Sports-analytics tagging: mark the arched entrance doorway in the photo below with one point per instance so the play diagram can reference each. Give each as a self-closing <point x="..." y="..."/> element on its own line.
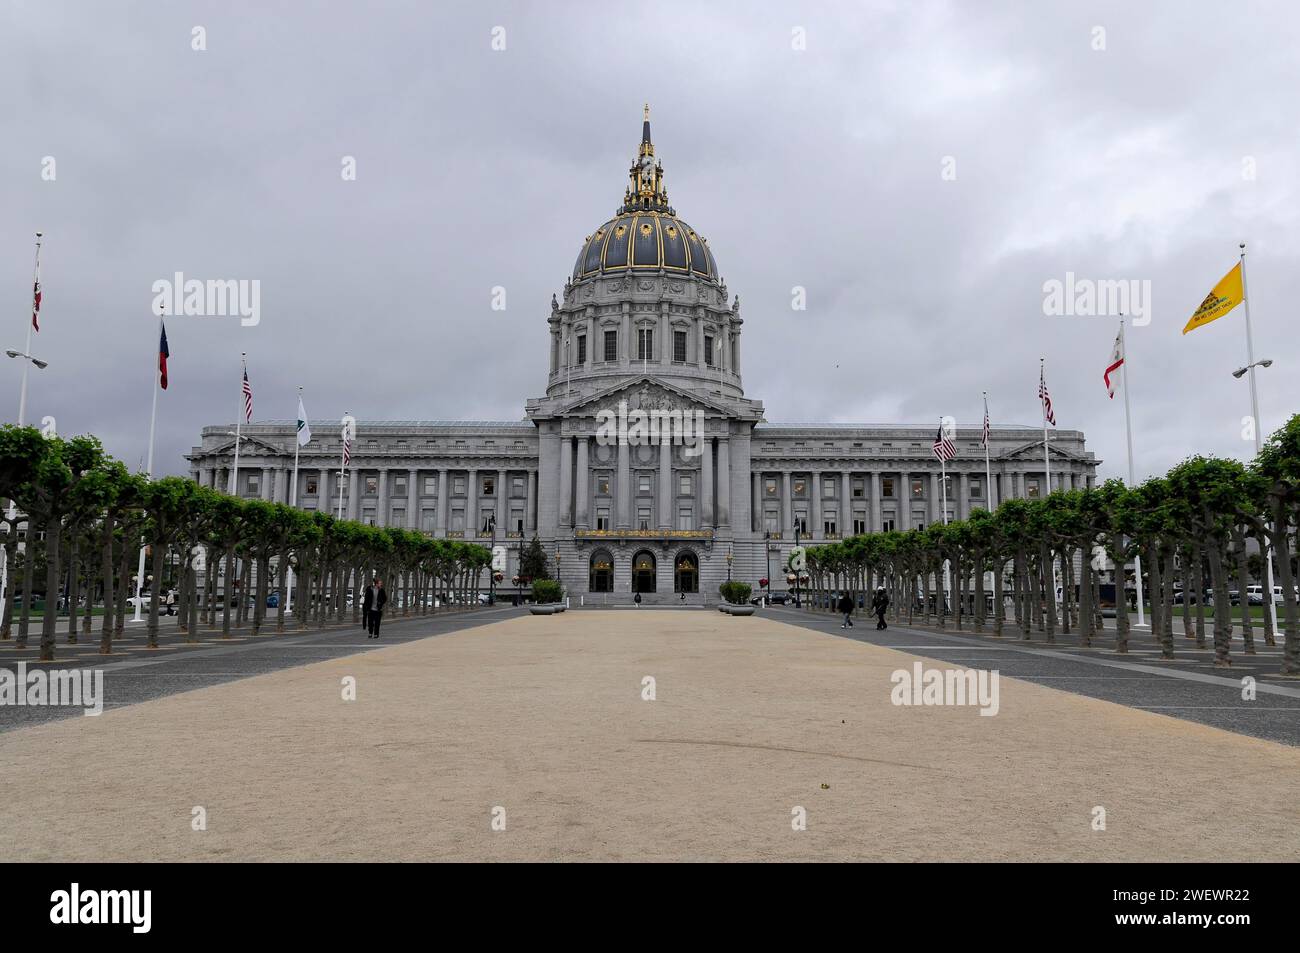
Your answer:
<point x="601" y="578"/>
<point x="686" y="572"/>
<point x="643" y="572"/>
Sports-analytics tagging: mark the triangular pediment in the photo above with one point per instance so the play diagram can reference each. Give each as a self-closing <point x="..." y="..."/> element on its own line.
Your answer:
<point x="645" y="394"/>
<point x="249" y="444"/>
<point x="1033" y="450"/>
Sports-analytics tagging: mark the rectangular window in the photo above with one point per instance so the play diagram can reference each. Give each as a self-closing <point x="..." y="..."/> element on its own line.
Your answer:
<point x="517" y="520"/>
<point x="771" y="521"/>
<point x="684" y="518"/>
<point x="313" y="486"/>
<point x="582" y="349"/>
<point x="828" y="527"/>
<point x="489" y="485"/>
<point x="976" y="488"/>
<point x="643" y="483"/>
<point x="800" y="487"/>
<point x="372" y="486"/>
<point x="517" y="486"/>
<point x="254" y="484"/>
<point x="801" y="522"/>
<point x="769" y="487"/>
<point x="859" y="527"/>
<point x="611" y="345"/>
<point x="428" y="520"/>
<point x="602" y="519"/>
<point x="887" y="486"/>
<point x="458" y="486"/>
<point x="828" y="488"/>
<point x="399" y="486"/>
<point x="1031" y="488"/>
<point x="708" y="349"/>
<point x="457" y="521"/>
<point x="645" y="344"/>
<point x="684" y="486"/>
<point x="918" y="489"/>
<point x="398" y="518"/>
<point x="887" y="525"/>
<point x="643" y="517"/>
<point x="602" y="484"/>
<point x="368" y="517"/>
<point x="679" y="345"/>
<point x="430" y="486"/>
<point x="859" y="488"/>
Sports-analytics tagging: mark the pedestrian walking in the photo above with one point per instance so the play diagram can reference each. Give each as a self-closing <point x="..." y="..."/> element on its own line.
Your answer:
<point x="879" y="604"/>
<point x="845" y="605"/>
<point x="373" y="607"/>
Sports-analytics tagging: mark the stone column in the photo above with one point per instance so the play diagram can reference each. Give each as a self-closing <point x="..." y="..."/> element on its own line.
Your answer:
<point x="354" y="494"/>
<point x="875" y="502"/>
<point x="904" y="501"/>
<point x="264" y="491"/>
<point x="625" y="346"/>
<point x="724" y="483"/>
<point x="471" y="504"/>
<point x="665" y="483"/>
<point x="1020" y="485"/>
<point x="787" y="506"/>
<point x="846" y="504"/>
<point x="502" y="513"/>
<point x="566" y="481"/>
<point x="323" y="491"/>
<point x="623" y="488"/>
<point x="706" y="485"/>
<point x="756" y="504"/>
<point x="381" y="505"/>
<point x="530" y="507"/>
<point x="412" y="498"/>
<point x="963" y="495"/>
<point x="440" y="515"/>
<point x="582" y="481"/>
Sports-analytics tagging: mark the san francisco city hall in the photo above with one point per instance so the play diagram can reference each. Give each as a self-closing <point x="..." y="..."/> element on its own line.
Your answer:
<point x="644" y="319"/>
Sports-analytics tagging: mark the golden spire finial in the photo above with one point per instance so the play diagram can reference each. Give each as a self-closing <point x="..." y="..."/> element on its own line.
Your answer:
<point x="647" y="112"/>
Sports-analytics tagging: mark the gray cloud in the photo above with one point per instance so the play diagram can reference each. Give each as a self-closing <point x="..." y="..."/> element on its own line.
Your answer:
<point x="819" y="169"/>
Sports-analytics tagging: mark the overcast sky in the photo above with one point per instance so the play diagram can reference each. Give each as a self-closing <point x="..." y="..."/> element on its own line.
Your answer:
<point x="1111" y="140"/>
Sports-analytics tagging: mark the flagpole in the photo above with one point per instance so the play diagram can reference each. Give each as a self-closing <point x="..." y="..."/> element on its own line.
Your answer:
<point x="12" y="513"/>
<point x="233" y="489"/>
<point x="1042" y="400"/>
<point x="343" y="465"/>
<point x="153" y="421"/>
<point x="293" y="502"/>
<point x="1254" y="410"/>
<point x="988" y="468"/>
<point x="1128" y="429"/>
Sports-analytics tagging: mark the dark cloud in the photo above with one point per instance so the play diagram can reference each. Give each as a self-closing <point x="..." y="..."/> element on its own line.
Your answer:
<point x="819" y="169"/>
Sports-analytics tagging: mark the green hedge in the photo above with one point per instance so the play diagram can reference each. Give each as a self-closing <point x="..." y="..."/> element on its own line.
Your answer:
<point x="736" y="593"/>
<point x="547" y="590"/>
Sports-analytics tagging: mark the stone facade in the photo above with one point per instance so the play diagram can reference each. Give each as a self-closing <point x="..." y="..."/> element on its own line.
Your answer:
<point x="644" y="327"/>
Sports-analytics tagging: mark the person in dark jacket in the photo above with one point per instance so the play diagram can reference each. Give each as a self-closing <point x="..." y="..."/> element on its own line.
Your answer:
<point x="845" y="605"/>
<point x="373" y="607"/>
<point x="879" y="604"/>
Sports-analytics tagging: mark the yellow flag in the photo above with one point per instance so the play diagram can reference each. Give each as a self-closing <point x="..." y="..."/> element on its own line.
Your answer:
<point x="1227" y="294"/>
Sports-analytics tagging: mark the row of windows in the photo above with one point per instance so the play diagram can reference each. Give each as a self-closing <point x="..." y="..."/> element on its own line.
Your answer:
<point x="645" y="346"/>
<point x="858" y="487"/>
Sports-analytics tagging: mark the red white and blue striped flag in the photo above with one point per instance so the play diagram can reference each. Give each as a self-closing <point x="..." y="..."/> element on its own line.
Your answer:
<point x="944" y="449"/>
<point x="1048" y="414"/>
<point x="985" y="438"/>
<point x="248" y="399"/>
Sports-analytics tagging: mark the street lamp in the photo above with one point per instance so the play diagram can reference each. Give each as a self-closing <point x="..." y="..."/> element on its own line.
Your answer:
<point x="492" y="574"/>
<point x="796" y="569"/>
<point x="1240" y="372"/>
<point x="729" y="558"/>
<point x="1254" y="409"/>
<point x="767" y="556"/>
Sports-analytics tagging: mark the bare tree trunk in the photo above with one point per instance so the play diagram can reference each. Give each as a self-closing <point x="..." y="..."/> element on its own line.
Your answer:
<point x="74" y="587"/>
<point x="49" y="621"/>
<point x="106" y="572"/>
<point x="1198" y="579"/>
<point x="159" y="554"/>
<point x="226" y="594"/>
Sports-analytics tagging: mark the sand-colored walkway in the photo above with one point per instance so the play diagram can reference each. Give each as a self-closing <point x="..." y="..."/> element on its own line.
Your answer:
<point x="544" y="717"/>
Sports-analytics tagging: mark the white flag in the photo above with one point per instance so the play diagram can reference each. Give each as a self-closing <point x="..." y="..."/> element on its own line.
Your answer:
<point x="304" y="428"/>
<point x="1111" y="377"/>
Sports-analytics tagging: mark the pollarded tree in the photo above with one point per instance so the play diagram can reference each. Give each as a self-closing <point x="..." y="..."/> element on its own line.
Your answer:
<point x="1278" y="464"/>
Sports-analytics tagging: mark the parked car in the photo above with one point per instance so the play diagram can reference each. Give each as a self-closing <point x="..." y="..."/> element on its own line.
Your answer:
<point x="1255" y="594"/>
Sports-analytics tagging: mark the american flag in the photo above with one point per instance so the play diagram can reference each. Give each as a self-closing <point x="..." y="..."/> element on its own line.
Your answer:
<point x="985" y="438"/>
<point x="944" y="449"/>
<point x="347" y="445"/>
<point x="1048" y="414"/>
<point x="36" y="288"/>
<point x="248" y="399"/>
